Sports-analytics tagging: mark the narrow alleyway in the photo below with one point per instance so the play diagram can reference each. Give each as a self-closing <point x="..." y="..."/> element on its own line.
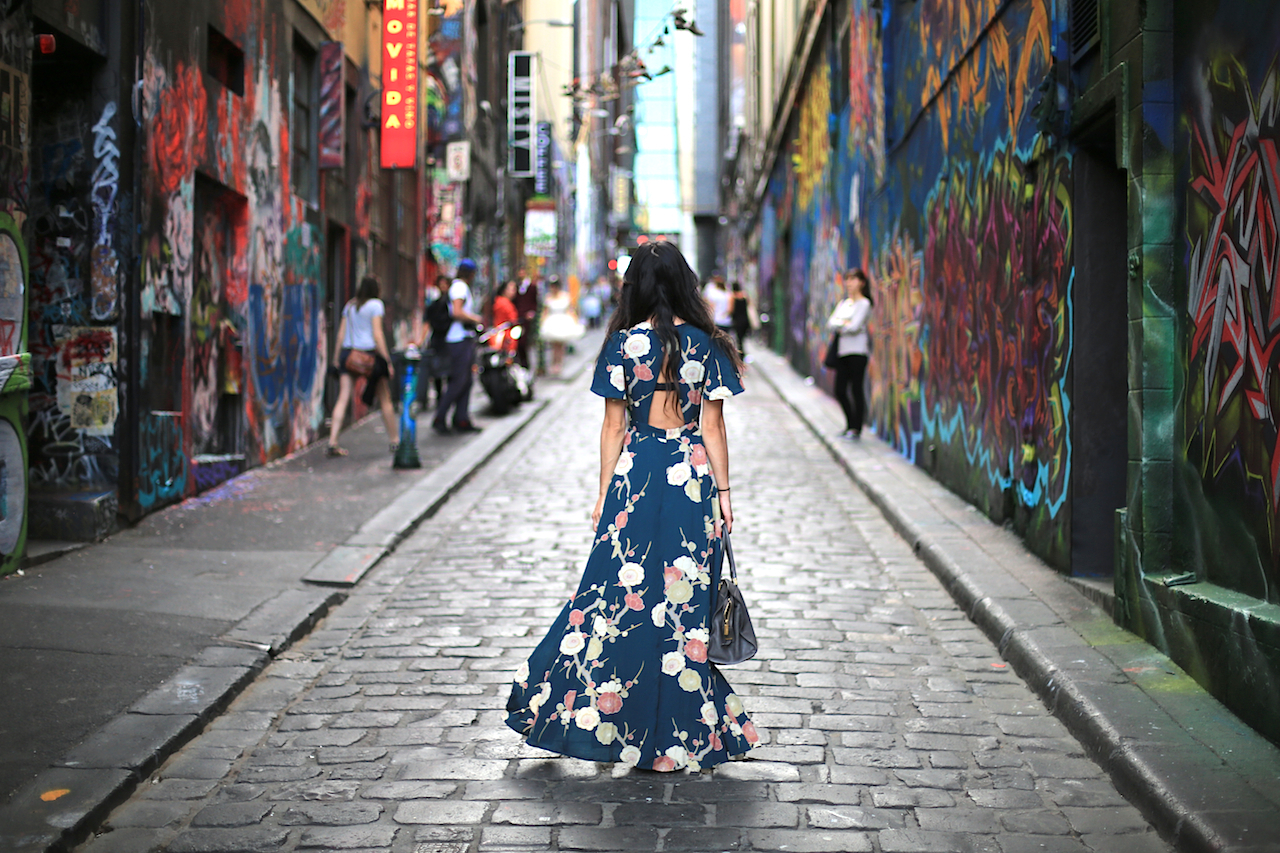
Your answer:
<point x="889" y="722"/>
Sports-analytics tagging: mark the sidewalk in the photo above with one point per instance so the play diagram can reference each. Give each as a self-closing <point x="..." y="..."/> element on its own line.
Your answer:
<point x="1204" y="779"/>
<point x="117" y="653"/>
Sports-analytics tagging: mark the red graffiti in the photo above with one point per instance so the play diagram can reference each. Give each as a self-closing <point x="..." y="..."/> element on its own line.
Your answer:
<point x="91" y="345"/>
<point x="176" y="143"/>
<point x="8" y="337"/>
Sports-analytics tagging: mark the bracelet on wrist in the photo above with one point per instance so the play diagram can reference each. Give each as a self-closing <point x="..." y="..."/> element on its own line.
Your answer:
<point x="722" y="488"/>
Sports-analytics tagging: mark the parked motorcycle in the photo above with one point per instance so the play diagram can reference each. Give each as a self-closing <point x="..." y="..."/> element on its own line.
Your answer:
<point x="504" y="380"/>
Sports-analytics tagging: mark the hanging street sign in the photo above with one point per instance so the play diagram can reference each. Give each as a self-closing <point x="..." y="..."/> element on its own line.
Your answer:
<point x="521" y="67"/>
<point x="399" y="142"/>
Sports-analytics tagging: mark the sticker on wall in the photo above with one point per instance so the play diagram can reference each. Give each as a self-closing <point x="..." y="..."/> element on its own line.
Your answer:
<point x="87" y="378"/>
<point x="13" y="487"/>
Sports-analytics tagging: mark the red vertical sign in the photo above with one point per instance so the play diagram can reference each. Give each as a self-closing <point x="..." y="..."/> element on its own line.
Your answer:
<point x="399" y="84"/>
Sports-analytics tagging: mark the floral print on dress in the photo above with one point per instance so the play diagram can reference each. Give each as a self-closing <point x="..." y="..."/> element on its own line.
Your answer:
<point x="622" y="675"/>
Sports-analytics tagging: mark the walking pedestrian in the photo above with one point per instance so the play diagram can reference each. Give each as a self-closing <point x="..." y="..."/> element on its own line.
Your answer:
<point x="721" y="303"/>
<point x="590" y="307"/>
<point x="362" y="351"/>
<point x="460" y="344"/>
<point x="850" y="319"/>
<point x="558" y="327"/>
<point x="622" y="675"/>
<point x="741" y="314"/>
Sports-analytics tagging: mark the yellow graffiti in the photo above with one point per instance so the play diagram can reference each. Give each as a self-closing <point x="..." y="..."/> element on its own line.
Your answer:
<point x="949" y="29"/>
<point x="814" y="139"/>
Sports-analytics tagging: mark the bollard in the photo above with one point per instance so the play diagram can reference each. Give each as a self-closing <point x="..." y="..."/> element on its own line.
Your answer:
<point x="407" y="452"/>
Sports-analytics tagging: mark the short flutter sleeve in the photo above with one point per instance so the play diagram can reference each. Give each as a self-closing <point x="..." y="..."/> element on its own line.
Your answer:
<point x="722" y="380"/>
<point x="610" y="380"/>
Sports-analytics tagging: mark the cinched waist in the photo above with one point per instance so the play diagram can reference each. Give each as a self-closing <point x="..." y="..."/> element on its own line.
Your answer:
<point x="674" y="432"/>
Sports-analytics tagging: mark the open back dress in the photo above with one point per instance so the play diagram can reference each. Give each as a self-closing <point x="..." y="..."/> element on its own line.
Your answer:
<point x="622" y="675"/>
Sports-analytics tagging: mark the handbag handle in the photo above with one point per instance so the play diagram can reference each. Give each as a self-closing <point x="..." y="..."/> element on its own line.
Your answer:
<point x="728" y="553"/>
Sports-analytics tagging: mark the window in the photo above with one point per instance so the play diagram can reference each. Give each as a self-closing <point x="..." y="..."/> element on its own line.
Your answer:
<point x="225" y="62"/>
<point x="303" y="130"/>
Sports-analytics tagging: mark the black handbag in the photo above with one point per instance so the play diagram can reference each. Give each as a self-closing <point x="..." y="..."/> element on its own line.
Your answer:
<point x="732" y="639"/>
<point x="832" y="358"/>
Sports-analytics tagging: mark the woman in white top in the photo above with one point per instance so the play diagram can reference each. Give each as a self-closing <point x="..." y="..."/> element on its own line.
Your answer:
<point x="850" y="319"/>
<point x="721" y="302"/>
<point x="361" y="331"/>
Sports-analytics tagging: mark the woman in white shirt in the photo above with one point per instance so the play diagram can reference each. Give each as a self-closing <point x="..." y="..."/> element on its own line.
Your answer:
<point x="850" y="319"/>
<point x="360" y="331"/>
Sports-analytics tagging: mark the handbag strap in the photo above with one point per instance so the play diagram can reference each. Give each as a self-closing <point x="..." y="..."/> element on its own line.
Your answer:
<point x="728" y="553"/>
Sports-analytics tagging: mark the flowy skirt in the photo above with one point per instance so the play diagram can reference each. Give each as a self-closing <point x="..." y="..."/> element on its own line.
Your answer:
<point x="623" y="675"/>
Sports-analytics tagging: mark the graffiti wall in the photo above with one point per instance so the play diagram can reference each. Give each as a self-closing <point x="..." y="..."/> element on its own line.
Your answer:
<point x="1229" y="158"/>
<point x="74" y="227"/>
<point x="936" y="181"/>
<point x="232" y="292"/>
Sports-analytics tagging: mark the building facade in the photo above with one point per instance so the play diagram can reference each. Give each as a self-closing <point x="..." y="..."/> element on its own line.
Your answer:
<point x="195" y="191"/>
<point x="1071" y="238"/>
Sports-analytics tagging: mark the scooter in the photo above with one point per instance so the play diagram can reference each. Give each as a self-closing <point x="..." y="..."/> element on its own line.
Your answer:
<point x="504" y="380"/>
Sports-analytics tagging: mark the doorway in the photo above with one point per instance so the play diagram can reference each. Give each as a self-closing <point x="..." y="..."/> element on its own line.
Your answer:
<point x="1099" y="414"/>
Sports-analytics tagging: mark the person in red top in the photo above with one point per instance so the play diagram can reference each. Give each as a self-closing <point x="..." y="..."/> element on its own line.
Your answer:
<point x="504" y="307"/>
<point x="504" y="311"/>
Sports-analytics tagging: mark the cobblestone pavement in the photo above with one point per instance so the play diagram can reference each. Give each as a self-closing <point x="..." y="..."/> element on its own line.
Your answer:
<point x="888" y="722"/>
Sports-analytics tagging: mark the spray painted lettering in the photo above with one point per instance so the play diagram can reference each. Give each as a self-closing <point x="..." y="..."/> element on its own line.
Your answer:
<point x="104" y="266"/>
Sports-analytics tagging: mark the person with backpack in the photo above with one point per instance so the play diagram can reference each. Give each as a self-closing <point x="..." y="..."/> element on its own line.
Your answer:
<point x="460" y="344"/>
<point x="435" y="321"/>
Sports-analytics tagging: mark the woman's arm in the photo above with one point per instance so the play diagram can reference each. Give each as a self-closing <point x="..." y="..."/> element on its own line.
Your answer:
<point x="717" y="442"/>
<point x="839" y="315"/>
<point x="338" y="338"/>
<point x="380" y="344"/>
<point x="858" y="316"/>
<point x="612" y="432"/>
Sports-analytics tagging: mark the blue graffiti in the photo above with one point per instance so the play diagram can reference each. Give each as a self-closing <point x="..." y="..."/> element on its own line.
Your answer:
<point x="162" y="466"/>
<point x="284" y="353"/>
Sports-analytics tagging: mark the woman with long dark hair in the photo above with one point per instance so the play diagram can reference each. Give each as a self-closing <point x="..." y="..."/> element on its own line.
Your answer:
<point x="622" y="675"/>
<point x="850" y="319"/>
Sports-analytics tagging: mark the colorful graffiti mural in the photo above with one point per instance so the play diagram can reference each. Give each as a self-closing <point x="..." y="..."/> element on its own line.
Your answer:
<point x="964" y="220"/>
<point x="997" y="329"/>
<point x="1233" y="304"/>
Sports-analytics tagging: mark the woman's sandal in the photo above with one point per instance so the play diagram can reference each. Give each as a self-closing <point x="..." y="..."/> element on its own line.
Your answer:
<point x="334" y="450"/>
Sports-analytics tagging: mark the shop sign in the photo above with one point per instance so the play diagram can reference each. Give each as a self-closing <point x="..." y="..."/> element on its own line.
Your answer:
<point x="399" y="143"/>
<point x="521" y="65"/>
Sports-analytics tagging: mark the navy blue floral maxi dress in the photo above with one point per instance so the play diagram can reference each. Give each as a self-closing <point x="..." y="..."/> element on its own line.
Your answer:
<point x="622" y="675"/>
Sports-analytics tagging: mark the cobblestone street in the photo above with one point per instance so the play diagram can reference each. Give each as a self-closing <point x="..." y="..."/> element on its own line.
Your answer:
<point x="888" y="721"/>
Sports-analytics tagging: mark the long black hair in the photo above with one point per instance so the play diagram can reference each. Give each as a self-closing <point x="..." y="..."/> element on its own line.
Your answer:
<point x="658" y="287"/>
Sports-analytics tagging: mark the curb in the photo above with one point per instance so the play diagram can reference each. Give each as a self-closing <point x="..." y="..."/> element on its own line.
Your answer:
<point x="1203" y="779"/>
<point x="67" y="801"/>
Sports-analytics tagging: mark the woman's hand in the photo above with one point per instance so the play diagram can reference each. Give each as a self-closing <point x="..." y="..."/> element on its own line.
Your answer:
<point x="726" y="512"/>
<point x="597" y="512"/>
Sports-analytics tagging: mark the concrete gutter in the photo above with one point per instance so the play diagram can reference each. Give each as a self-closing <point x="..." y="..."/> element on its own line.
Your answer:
<point x="66" y="802"/>
<point x="1204" y="779"/>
